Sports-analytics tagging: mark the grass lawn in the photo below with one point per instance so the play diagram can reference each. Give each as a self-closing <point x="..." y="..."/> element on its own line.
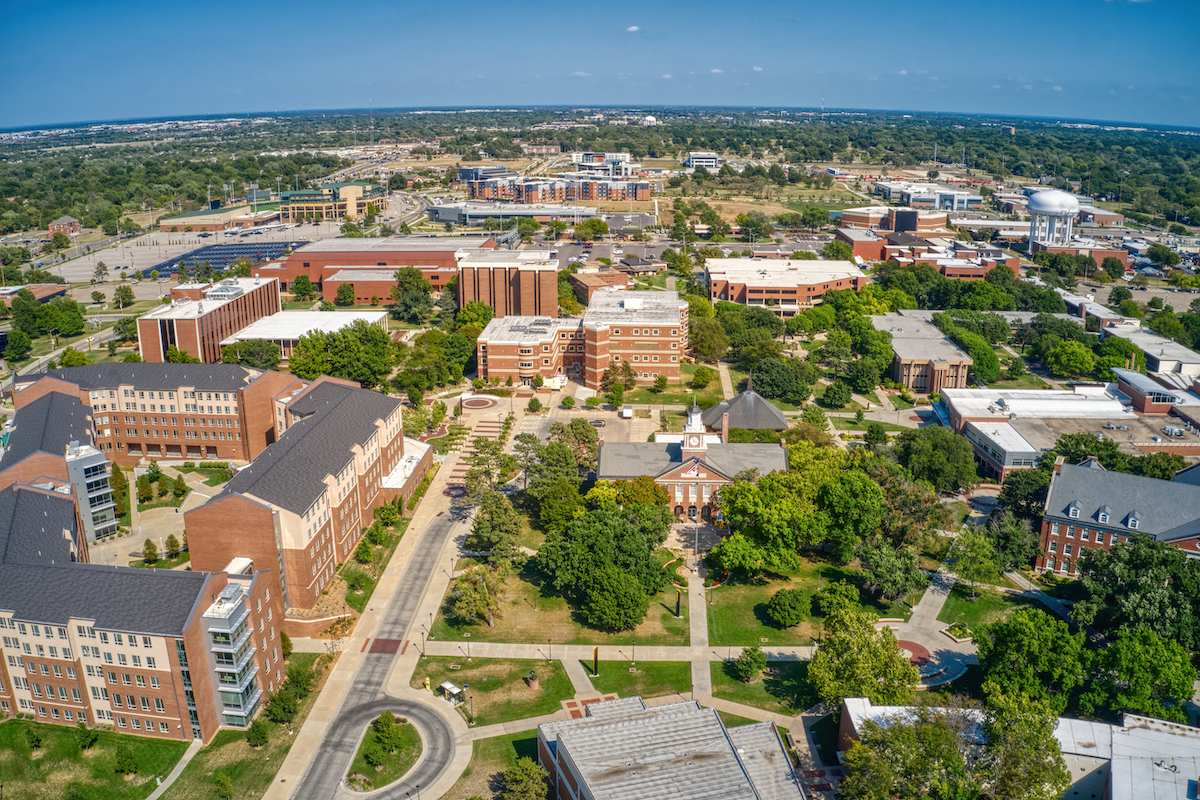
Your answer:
<point x="826" y="731"/>
<point x="298" y="305"/>
<point x="251" y="771"/>
<point x="163" y="562"/>
<point x="489" y="759"/>
<point x="358" y="599"/>
<point x="677" y="394"/>
<point x="737" y="613"/>
<point x="783" y="690"/>
<point x="988" y="606"/>
<point x="959" y="511"/>
<point x="394" y="765"/>
<point x="652" y="678"/>
<point x="900" y="403"/>
<point x="500" y="687"/>
<point x="167" y="501"/>
<point x="1026" y="381"/>
<point x="850" y="424"/>
<point x="51" y="770"/>
<point x="534" y="612"/>
<point x="213" y="476"/>
<point x="874" y="398"/>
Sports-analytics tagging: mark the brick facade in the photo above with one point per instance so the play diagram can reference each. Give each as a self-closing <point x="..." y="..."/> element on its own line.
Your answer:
<point x="196" y="321"/>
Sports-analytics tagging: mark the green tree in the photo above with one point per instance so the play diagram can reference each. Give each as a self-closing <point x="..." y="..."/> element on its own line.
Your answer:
<point x="837" y="394"/>
<point x="126" y="761"/>
<point x="568" y="402"/>
<point x="854" y="507"/>
<point x="123" y="296"/>
<point x="526" y="780"/>
<point x="836" y="596"/>
<point x="474" y="314"/>
<point x="59" y="241"/>
<point x="855" y="660"/>
<point x="257" y="353"/>
<point x="615" y="601"/>
<point x="488" y="465"/>
<point x="660" y="384"/>
<point x="85" y="737"/>
<point x="707" y="339"/>
<point x="750" y="663"/>
<point x="303" y="288"/>
<point x="496" y="529"/>
<point x="345" y="295"/>
<point x="281" y="706"/>
<point x="918" y="756"/>
<point x="149" y="552"/>
<point x="475" y="595"/>
<point x="535" y="405"/>
<point x="938" y="455"/>
<point x="1143" y="673"/>
<point x="179" y="487"/>
<point x="125" y="329"/>
<point x="1034" y="655"/>
<point x="1013" y="540"/>
<point x="876" y="434"/>
<point x="837" y="250"/>
<point x="1024" y="758"/>
<point x="176" y="356"/>
<point x="172" y="546"/>
<point x="892" y="573"/>
<point x="73" y="358"/>
<point x="1070" y="358"/>
<point x="359" y="352"/>
<point x="257" y="734"/>
<point x="19" y="345"/>
<point x="285" y="644"/>
<point x="788" y="607"/>
<point x="1024" y="492"/>
<point x="223" y="785"/>
<point x="974" y="558"/>
<point x="702" y="377"/>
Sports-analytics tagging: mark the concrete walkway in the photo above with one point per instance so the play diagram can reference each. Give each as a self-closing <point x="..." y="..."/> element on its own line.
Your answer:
<point x="698" y="632"/>
<point x="188" y="755"/>
<point x="948" y="659"/>
<point x="726" y="380"/>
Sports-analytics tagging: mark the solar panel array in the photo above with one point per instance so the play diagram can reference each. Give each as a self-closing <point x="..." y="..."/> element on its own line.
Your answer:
<point x="222" y="255"/>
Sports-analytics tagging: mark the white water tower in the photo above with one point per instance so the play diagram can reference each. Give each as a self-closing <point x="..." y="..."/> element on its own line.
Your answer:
<point x="1052" y="216"/>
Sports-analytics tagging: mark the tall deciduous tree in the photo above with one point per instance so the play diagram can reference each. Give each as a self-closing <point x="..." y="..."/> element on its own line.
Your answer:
<point x="939" y="456"/>
<point x="855" y="660"/>
<point x="1143" y="673"/>
<point x="1034" y="655"/>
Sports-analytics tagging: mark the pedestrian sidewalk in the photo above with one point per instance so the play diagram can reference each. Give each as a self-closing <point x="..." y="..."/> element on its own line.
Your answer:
<point x="726" y="380"/>
<point x="188" y="755"/>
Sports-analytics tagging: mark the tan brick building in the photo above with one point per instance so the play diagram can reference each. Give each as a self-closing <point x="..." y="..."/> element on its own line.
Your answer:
<point x="302" y="505"/>
<point x="195" y="411"/>
<point x="513" y="282"/>
<point x="924" y="359"/>
<point x="351" y="199"/>
<point x="784" y="286"/>
<point x="647" y="330"/>
<point x="202" y="314"/>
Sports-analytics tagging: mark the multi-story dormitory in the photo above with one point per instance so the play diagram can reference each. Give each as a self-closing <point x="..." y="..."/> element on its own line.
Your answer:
<point x="159" y="653"/>
<point x="322" y="456"/>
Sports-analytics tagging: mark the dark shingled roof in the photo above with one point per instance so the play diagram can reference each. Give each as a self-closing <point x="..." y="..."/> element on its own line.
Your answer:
<point x="39" y="582"/>
<point x="291" y="472"/>
<point x="210" y="377"/>
<point x="629" y="460"/>
<point x="48" y="425"/>
<point x="1165" y="510"/>
<point x="748" y="410"/>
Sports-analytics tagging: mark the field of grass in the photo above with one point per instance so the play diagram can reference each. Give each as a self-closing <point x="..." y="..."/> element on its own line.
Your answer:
<point x="733" y="720"/>
<point x="737" y="613"/>
<point x="213" y="476"/>
<point x="677" y="394"/>
<point x="533" y="612"/>
<point x="358" y="600"/>
<point x="251" y="771"/>
<point x="1026" y="381"/>
<point x="163" y="562"/>
<point x="988" y="606"/>
<point x="169" y="500"/>
<point x="489" y="759"/>
<point x="783" y="689"/>
<point x="55" y="768"/>
<point x="500" y="687"/>
<point x="651" y="679"/>
<point x="900" y="403"/>
<point x="395" y="765"/>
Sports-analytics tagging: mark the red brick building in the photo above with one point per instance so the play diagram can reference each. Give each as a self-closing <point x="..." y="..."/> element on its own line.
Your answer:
<point x="66" y="225"/>
<point x="1090" y="508"/>
<point x="192" y="411"/>
<point x="201" y="315"/>
<point x="513" y="282"/>
<point x="784" y="286"/>
<point x="304" y="502"/>
<point x="436" y="256"/>
<point x="647" y="330"/>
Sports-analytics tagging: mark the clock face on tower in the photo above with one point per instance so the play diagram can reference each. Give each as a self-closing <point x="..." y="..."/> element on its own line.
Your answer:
<point x="694" y="441"/>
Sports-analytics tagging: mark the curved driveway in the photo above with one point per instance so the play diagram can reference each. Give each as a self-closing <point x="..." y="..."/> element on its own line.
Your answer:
<point x="323" y="780"/>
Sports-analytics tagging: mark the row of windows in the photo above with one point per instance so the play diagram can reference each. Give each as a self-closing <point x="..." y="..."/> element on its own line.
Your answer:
<point x="644" y="358"/>
<point x="1085" y="534"/>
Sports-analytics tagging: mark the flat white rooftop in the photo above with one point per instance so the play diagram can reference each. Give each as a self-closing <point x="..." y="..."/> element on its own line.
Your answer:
<point x="631" y="308"/>
<point x="396" y="244"/>
<point x="1096" y="402"/>
<point x="1151" y="343"/>
<point x="780" y="272"/>
<point x="289" y="326"/>
<point x="216" y="295"/>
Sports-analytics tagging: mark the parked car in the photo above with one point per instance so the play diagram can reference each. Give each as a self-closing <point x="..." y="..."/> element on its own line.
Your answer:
<point x="598" y="423"/>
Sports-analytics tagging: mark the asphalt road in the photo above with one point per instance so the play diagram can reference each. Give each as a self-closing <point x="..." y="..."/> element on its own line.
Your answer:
<point x="324" y="778"/>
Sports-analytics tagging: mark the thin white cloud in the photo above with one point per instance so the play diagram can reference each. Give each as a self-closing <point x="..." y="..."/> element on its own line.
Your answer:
<point x="902" y="72"/>
<point x="717" y="71"/>
<point x="758" y="69"/>
<point x="668" y="76"/>
<point x="1058" y="88"/>
<point x="1027" y="86"/>
<point x="995" y="86"/>
<point x="632" y="29"/>
<point x="935" y="78"/>
<point x="579" y="74"/>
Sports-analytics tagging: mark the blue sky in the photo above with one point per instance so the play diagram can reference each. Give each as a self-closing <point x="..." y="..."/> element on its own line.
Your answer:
<point x="69" y="60"/>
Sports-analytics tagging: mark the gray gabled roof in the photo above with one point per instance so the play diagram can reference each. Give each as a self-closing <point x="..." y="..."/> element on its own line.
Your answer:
<point x="48" y="425"/>
<point x="629" y="460"/>
<point x="748" y="410"/>
<point x="1165" y="510"/>
<point x="291" y="472"/>
<point x="40" y="582"/>
<point x="210" y="377"/>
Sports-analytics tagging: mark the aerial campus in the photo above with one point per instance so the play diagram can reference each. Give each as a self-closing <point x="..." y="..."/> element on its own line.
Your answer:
<point x="530" y="450"/>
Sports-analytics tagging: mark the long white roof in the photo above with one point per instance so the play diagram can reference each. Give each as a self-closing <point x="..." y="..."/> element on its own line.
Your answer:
<point x="291" y="325"/>
<point x="1093" y="402"/>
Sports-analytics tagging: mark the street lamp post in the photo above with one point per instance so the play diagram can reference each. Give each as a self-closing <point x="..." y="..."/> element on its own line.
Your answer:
<point x="550" y="650"/>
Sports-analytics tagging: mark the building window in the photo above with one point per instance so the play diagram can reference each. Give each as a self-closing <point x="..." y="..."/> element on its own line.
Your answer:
<point x="1054" y="547"/>
<point x="1103" y="519"/>
<point x="1067" y="550"/>
<point x="1085" y="535"/>
<point x="1073" y="512"/>
<point x="1070" y="531"/>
